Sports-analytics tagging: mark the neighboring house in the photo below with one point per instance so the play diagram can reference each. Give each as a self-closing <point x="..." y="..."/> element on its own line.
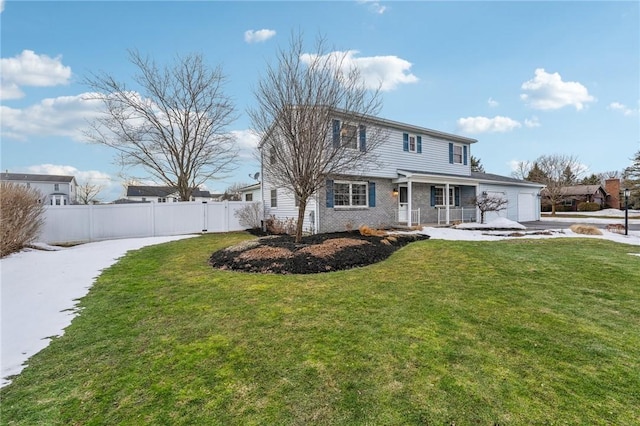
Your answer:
<point x="56" y="190"/>
<point x="425" y="178"/>
<point x="572" y="196"/>
<point x="162" y="194"/>
<point x="251" y="192"/>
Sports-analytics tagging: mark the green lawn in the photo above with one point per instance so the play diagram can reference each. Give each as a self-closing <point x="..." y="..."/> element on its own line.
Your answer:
<point x="512" y="332"/>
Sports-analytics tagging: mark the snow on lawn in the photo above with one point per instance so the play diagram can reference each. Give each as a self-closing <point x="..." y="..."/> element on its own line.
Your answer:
<point x="40" y="289"/>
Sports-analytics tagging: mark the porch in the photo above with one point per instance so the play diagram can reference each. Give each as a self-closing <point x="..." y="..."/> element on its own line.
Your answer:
<point x="434" y="199"/>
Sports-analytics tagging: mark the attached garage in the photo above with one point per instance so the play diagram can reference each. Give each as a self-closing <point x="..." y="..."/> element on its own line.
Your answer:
<point x="523" y="201"/>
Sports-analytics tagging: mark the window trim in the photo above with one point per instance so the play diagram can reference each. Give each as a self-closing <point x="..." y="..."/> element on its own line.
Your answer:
<point x="356" y="134"/>
<point x="452" y="196"/>
<point x="273" y="196"/>
<point x="351" y="205"/>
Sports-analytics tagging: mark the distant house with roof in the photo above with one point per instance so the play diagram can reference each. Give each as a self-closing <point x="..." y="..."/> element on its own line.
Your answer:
<point x="251" y="192"/>
<point x="56" y="190"/>
<point x="162" y="194"/>
<point x="573" y="196"/>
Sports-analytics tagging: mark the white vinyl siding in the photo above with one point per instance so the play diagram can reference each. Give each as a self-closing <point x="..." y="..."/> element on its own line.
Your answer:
<point x="434" y="157"/>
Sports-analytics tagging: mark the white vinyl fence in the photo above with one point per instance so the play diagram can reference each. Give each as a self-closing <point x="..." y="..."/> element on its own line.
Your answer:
<point x="65" y="224"/>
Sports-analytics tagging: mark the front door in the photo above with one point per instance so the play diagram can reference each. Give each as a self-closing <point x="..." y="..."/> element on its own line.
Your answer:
<point x="403" y="204"/>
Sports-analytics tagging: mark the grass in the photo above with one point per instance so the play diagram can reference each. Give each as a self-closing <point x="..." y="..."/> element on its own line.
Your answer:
<point x="512" y="332"/>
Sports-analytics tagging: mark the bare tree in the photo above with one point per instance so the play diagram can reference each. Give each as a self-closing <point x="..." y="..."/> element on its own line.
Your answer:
<point x="175" y="127"/>
<point x="88" y="192"/>
<point x="558" y="172"/>
<point x="489" y="203"/>
<point x="298" y="100"/>
<point x="522" y="170"/>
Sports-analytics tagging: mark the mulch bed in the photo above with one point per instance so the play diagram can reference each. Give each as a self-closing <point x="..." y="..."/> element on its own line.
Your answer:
<point x="315" y="253"/>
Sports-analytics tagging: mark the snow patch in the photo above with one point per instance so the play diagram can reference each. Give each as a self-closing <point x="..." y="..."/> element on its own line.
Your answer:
<point x="40" y="289"/>
<point x="497" y="223"/>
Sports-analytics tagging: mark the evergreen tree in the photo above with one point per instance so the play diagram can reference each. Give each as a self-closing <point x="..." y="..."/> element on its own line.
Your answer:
<point x="536" y="174"/>
<point x="568" y="176"/>
<point x="594" y="179"/>
<point x="476" y="166"/>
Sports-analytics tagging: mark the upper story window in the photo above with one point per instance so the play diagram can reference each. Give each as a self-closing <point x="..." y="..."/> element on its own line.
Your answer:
<point x="349" y="136"/>
<point x="458" y="154"/>
<point x="412" y="143"/>
<point x="56" y="187"/>
<point x="350" y="194"/>
<point x="272" y="155"/>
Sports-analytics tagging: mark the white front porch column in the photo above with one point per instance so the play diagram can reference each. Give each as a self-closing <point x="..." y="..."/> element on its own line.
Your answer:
<point x="446" y="203"/>
<point x="409" y="207"/>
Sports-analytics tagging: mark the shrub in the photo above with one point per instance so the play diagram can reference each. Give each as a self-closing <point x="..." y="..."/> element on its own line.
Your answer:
<point x="250" y="215"/>
<point x="588" y="207"/>
<point x="370" y="232"/>
<point x="278" y="227"/>
<point x="585" y="229"/>
<point x="20" y="217"/>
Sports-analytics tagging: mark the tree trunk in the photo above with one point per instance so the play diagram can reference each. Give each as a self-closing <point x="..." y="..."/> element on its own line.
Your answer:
<point x="302" y="206"/>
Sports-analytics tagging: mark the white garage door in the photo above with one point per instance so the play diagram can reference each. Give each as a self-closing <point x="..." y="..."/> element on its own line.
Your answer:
<point x="526" y="207"/>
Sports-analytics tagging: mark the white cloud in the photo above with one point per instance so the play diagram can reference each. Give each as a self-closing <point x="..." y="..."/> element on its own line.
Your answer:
<point x="492" y="102"/>
<point x="497" y="124"/>
<point x="386" y="72"/>
<point x="548" y="91"/>
<point x="374" y="6"/>
<point x="532" y="122"/>
<point x="1" y="6"/>
<point x="617" y="106"/>
<point x="94" y="176"/>
<point x="62" y="116"/>
<point x="247" y="142"/>
<point x="31" y="69"/>
<point x="251" y="36"/>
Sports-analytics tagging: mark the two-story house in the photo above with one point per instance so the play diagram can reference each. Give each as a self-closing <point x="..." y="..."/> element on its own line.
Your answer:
<point x="56" y="190"/>
<point x="422" y="176"/>
<point x="162" y="194"/>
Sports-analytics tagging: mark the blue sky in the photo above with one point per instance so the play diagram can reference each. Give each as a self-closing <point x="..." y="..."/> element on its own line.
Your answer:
<point x="523" y="78"/>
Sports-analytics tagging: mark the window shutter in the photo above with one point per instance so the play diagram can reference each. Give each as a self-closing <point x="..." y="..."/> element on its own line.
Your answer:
<point x="336" y="133"/>
<point x="464" y="155"/>
<point x="372" y="194"/>
<point x="363" y="138"/>
<point x="405" y="142"/>
<point x="450" y="153"/>
<point x="456" y="196"/>
<point x="329" y="193"/>
<point x="419" y="139"/>
<point x="433" y="196"/>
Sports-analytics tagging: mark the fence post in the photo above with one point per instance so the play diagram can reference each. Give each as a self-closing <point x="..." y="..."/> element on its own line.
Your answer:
<point x="205" y="216"/>
<point x="152" y="210"/>
<point x="91" y="232"/>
